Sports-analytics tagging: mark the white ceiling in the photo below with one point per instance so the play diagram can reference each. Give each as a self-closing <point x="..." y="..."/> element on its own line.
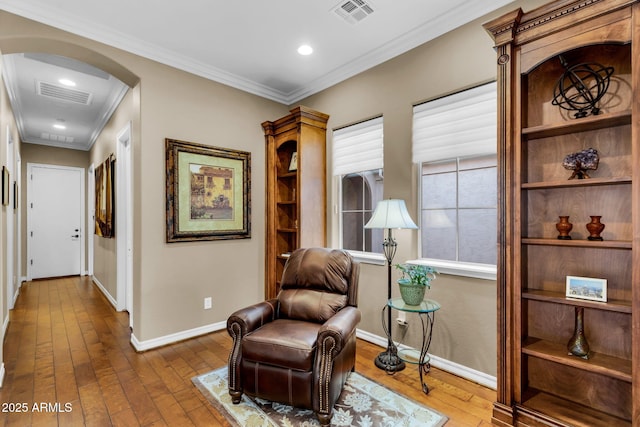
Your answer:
<point x="251" y="45"/>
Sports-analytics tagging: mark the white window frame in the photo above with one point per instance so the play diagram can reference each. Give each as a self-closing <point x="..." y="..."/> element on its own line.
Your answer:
<point x="431" y="151"/>
<point x="357" y="163"/>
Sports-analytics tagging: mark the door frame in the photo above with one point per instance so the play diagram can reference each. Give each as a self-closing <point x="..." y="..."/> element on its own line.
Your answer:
<point x="10" y="217"/>
<point x="30" y="167"/>
<point x="124" y="224"/>
<point x="91" y="216"/>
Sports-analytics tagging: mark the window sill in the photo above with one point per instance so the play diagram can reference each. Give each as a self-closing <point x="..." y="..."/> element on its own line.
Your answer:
<point x="467" y="269"/>
<point x="368" y="257"/>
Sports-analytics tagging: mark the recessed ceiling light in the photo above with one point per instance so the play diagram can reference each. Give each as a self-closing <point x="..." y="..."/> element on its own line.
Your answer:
<point x="59" y="126"/>
<point x="67" y="82"/>
<point x="305" y="50"/>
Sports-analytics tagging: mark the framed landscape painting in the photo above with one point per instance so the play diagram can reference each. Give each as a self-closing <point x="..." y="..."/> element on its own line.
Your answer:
<point x="208" y="192"/>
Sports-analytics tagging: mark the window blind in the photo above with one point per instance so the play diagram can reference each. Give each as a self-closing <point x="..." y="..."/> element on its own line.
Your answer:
<point x="459" y="125"/>
<point x="358" y="148"/>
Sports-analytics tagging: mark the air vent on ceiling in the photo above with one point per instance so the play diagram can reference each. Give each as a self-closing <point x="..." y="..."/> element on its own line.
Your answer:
<point x="56" y="138"/>
<point x="353" y="11"/>
<point x="63" y="93"/>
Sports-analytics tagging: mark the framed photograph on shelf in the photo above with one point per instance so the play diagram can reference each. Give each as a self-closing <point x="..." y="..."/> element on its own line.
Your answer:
<point x="293" y="164"/>
<point x="208" y="192"/>
<point x="586" y="288"/>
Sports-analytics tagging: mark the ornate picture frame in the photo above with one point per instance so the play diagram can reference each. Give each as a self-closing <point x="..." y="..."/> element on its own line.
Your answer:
<point x="208" y="195"/>
<point x="104" y="199"/>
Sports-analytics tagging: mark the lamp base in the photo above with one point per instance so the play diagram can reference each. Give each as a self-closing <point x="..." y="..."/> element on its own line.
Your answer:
<point x="389" y="361"/>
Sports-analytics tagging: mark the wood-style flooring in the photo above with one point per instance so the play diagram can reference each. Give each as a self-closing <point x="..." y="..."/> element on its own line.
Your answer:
<point x="69" y="362"/>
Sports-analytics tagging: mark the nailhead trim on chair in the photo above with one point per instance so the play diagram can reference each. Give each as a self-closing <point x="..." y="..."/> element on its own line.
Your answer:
<point x="233" y="355"/>
<point x="326" y="367"/>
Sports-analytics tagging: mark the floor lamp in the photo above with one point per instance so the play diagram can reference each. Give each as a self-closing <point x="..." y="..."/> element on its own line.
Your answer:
<point x="390" y="214"/>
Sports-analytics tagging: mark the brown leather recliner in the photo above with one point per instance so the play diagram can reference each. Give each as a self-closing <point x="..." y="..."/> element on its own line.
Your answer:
<point x="300" y="347"/>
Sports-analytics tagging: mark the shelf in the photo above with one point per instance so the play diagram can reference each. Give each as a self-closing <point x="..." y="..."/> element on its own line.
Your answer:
<point x="598" y="363"/>
<point x="578" y="243"/>
<point x="579" y="125"/>
<point x="292" y="174"/>
<point x="591" y="182"/>
<point x="287" y="202"/>
<point x="568" y="411"/>
<point x="619" y="306"/>
<point x="287" y="230"/>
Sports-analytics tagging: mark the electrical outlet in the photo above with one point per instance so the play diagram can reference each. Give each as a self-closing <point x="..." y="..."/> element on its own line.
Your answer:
<point x="402" y="319"/>
<point x="207" y="303"/>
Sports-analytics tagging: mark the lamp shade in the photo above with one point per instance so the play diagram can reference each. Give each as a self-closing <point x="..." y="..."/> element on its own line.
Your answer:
<point x="391" y="213"/>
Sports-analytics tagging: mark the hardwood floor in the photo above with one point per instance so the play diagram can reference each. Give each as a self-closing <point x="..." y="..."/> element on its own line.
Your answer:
<point x="68" y="362"/>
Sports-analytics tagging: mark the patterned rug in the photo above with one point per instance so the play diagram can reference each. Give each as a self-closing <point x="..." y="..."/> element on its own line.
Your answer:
<point x="363" y="403"/>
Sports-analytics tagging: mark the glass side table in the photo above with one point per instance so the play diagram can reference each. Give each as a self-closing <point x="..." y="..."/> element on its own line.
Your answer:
<point x="426" y="311"/>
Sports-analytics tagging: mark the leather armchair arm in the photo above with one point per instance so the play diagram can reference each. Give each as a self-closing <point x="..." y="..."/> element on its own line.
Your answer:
<point x="339" y="328"/>
<point x="239" y="324"/>
<point x="250" y="318"/>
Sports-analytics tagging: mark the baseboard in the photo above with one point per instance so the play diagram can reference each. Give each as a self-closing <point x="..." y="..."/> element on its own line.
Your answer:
<point x="437" y="362"/>
<point x="5" y="326"/>
<point x="440" y="363"/>
<point x="178" y="336"/>
<point x="105" y="292"/>
<point x="16" y="294"/>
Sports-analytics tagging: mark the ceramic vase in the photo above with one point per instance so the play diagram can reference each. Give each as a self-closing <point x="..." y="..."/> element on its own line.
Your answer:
<point x="595" y="227"/>
<point x="564" y="227"/>
<point x="578" y="345"/>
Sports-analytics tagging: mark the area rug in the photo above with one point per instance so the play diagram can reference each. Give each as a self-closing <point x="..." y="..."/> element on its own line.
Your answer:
<point x="363" y="403"/>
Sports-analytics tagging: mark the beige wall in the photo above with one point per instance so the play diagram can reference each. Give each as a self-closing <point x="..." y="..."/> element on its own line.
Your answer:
<point x="104" y="265"/>
<point x="8" y="129"/>
<point x="171" y="280"/>
<point x="465" y="330"/>
<point x="177" y="277"/>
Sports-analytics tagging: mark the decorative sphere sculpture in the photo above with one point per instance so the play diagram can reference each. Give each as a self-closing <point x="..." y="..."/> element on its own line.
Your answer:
<point x="581" y="86"/>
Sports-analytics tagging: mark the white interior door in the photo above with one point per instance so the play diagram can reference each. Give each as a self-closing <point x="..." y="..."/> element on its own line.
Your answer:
<point x="55" y="221"/>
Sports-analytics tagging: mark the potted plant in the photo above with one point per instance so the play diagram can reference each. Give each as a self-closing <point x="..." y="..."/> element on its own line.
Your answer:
<point x="416" y="278"/>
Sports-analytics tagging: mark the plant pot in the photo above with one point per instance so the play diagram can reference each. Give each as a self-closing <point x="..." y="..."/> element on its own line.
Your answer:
<point x="411" y="294"/>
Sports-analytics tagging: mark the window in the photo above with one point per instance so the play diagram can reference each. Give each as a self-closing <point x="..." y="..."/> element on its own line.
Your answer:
<point x="458" y="209"/>
<point x="454" y="142"/>
<point x="360" y="195"/>
<point x="357" y="164"/>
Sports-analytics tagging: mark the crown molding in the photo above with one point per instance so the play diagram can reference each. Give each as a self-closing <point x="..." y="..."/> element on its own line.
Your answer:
<point x="438" y="25"/>
<point x="435" y="27"/>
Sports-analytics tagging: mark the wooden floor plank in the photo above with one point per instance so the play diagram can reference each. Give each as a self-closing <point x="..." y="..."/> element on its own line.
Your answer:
<point x="65" y="345"/>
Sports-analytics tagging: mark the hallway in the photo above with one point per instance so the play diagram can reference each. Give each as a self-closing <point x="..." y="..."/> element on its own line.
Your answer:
<point x="67" y="352"/>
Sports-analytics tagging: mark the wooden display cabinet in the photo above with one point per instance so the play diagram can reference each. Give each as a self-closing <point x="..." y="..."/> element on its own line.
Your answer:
<point x="539" y="382"/>
<point x="296" y="190"/>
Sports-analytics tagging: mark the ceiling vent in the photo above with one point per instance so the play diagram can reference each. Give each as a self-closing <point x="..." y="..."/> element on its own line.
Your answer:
<point x="353" y="11"/>
<point x="64" y="93"/>
<point x="56" y="138"/>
